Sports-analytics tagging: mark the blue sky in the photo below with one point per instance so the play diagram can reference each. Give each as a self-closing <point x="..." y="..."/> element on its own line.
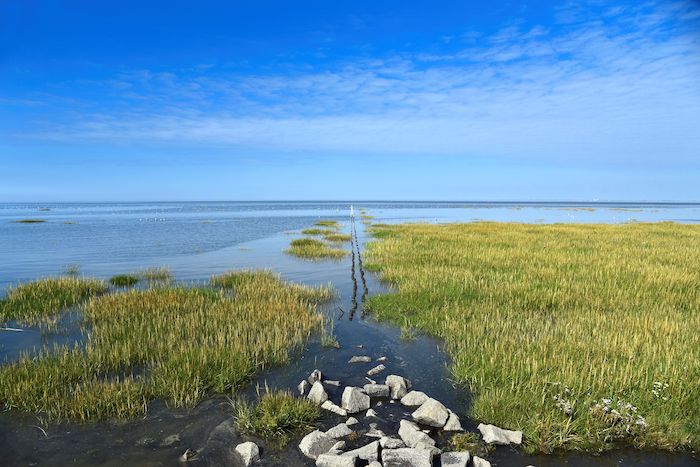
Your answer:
<point x="437" y="100"/>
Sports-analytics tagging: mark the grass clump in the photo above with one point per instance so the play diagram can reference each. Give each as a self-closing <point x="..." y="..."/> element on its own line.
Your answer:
<point x="156" y="274"/>
<point x="312" y="248"/>
<point x="337" y="237"/>
<point x="316" y="231"/>
<point x="124" y="280"/>
<point x="29" y="221"/>
<point x="173" y="343"/>
<point x="333" y="224"/>
<point x="41" y="301"/>
<point x="276" y="416"/>
<point x="583" y="336"/>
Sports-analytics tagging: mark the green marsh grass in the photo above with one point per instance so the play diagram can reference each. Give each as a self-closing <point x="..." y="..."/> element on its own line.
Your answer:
<point x="316" y="231"/>
<point x="172" y="343"/>
<point x="41" y="301"/>
<point x="156" y="274"/>
<point x="124" y="280"/>
<point x="555" y="329"/>
<point x="275" y="416"/>
<point x="312" y="248"/>
<point x="326" y="223"/>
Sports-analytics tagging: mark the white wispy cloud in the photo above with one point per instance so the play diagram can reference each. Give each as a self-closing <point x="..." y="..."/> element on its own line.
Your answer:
<point x="617" y="84"/>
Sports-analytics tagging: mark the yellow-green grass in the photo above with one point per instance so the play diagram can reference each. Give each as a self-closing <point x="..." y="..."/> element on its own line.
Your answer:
<point x="311" y="248"/>
<point x="332" y="235"/>
<point x="41" y="301"/>
<point x="156" y="274"/>
<point x="171" y="343"/>
<point x="275" y="416"/>
<point x="317" y="231"/>
<point x="543" y="322"/>
<point x="124" y="280"/>
<point x="326" y="223"/>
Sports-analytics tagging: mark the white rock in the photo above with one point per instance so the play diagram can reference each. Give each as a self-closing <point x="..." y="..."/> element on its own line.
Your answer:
<point x="455" y="459"/>
<point x="376" y="370"/>
<point x="303" y="387"/>
<point x="331" y="407"/>
<point x="335" y="460"/>
<point x="376" y="390"/>
<point x="332" y="382"/>
<point x="369" y="452"/>
<point x="351" y="421"/>
<point x="354" y="400"/>
<point x="414" y="398"/>
<point x="381" y="359"/>
<point x="406" y="457"/>
<point x="374" y="432"/>
<point x="318" y="394"/>
<point x="453" y="423"/>
<point x="391" y="443"/>
<point x="479" y="462"/>
<point x="397" y="386"/>
<point x="411" y="434"/>
<point x="371" y="413"/>
<point x="249" y="452"/>
<point x="339" y="431"/>
<point x="316" y="443"/>
<point x="494" y="435"/>
<point x="360" y="359"/>
<point x="315" y="376"/>
<point x="375" y="464"/>
<point x="431" y="413"/>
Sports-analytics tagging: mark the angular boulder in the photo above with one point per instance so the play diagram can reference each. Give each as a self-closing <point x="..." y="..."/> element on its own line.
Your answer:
<point x="376" y="390"/>
<point x="479" y="462"/>
<point x="360" y="359"/>
<point x="406" y="457"/>
<point x="354" y="400"/>
<point x="391" y="443"/>
<point x="398" y="386"/>
<point x="455" y="459"/>
<point x="316" y="443"/>
<point x="376" y="370"/>
<point x="249" y="452"/>
<point x="317" y="394"/>
<point x="315" y="375"/>
<point x="494" y="435"/>
<point x="414" y="398"/>
<point x="339" y="431"/>
<point x="431" y="413"/>
<point x="411" y="434"/>
<point x="331" y="407"/>
<point x="369" y="452"/>
<point x="453" y="423"/>
<point x="335" y="460"/>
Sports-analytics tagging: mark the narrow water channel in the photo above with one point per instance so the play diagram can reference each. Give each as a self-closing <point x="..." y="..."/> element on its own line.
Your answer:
<point x="164" y="434"/>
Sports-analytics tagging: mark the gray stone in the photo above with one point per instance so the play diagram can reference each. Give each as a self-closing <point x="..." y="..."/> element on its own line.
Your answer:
<point x="453" y="423"/>
<point x="332" y="382"/>
<point x="397" y="386"/>
<point x="303" y="387"/>
<point x="316" y="443"/>
<point x="339" y="431"/>
<point x="335" y="460"/>
<point x="369" y="452"/>
<point x="381" y="359"/>
<point x="391" y="443"/>
<point x="455" y="459"/>
<point x="479" y="462"/>
<point x="376" y="370"/>
<point x="494" y="435"/>
<point x="354" y="400"/>
<point x="315" y="376"/>
<point x="411" y="434"/>
<point x="406" y="457"/>
<point x="331" y="407"/>
<point x="360" y="359"/>
<point x="351" y="421"/>
<point x="318" y="394"/>
<point x="431" y="413"/>
<point x="249" y="452"/>
<point x="170" y="440"/>
<point x="374" y="432"/>
<point x="371" y="413"/>
<point x="375" y="464"/>
<point x="414" y="398"/>
<point x="376" y="390"/>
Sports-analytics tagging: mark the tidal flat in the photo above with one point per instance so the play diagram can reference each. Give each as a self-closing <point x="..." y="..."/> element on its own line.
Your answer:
<point x="582" y="336"/>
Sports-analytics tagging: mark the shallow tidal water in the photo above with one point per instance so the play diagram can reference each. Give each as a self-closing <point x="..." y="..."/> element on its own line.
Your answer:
<point x="197" y="240"/>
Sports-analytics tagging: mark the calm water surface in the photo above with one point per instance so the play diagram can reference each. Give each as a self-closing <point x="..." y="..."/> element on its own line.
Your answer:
<point x="197" y="240"/>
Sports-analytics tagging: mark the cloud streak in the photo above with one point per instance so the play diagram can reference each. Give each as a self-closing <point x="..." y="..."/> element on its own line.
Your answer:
<point x="614" y="84"/>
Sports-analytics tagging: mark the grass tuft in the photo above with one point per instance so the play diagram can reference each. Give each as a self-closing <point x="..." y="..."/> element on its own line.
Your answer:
<point x="312" y="248"/>
<point x="583" y="336"/>
<point x="124" y="280"/>
<point x="333" y="224"/>
<point x="41" y="301"/>
<point x="276" y="416"/>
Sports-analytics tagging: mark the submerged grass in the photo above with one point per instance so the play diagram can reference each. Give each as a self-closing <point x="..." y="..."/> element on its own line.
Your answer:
<point x="29" y="221"/>
<point x="582" y="336"/>
<point x="326" y="223"/>
<point x="41" y="301"/>
<point x="276" y="416"/>
<point x="124" y="280"/>
<point x="312" y="248"/>
<point x="181" y="343"/>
